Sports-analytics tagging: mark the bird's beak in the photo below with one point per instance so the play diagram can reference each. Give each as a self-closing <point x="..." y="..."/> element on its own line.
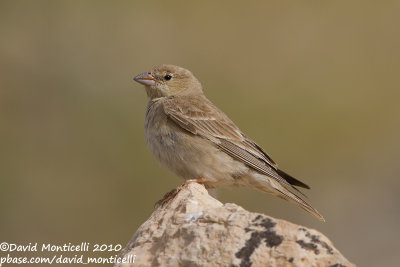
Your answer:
<point x="145" y="79"/>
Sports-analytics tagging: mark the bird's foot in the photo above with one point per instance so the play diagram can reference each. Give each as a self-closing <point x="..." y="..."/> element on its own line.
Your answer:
<point x="171" y="194"/>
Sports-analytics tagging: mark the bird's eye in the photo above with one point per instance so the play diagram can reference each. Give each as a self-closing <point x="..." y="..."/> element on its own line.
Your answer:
<point x="168" y="77"/>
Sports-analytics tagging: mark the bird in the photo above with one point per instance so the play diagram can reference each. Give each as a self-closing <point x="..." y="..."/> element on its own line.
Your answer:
<point x="194" y="139"/>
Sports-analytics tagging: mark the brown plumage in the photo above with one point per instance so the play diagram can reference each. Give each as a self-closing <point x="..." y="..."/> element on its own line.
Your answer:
<point x="193" y="138"/>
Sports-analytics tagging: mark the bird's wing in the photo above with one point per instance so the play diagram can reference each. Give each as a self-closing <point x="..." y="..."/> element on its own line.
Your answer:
<point x="200" y="117"/>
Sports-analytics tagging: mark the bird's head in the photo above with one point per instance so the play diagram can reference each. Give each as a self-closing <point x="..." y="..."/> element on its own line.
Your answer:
<point x="169" y="80"/>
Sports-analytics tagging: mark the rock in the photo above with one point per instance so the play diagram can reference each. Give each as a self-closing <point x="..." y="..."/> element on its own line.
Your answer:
<point x="195" y="229"/>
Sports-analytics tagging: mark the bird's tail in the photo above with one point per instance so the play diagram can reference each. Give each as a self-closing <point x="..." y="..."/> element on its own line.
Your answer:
<point x="289" y="196"/>
<point x="270" y="185"/>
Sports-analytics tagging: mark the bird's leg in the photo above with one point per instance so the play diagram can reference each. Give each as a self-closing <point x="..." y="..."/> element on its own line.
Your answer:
<point x="171" y="194"/>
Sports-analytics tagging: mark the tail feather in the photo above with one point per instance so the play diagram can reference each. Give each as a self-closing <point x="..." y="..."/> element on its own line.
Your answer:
<point x="300" y="202"/>
<point x="270" y="185"/>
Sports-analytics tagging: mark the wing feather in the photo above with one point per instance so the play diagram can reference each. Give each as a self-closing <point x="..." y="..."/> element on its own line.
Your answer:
<point x="208" y="121"/>
<point x="200" y="117"/>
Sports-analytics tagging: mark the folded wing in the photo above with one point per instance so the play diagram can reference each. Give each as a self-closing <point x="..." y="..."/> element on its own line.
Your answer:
<point x="200" y="117"/>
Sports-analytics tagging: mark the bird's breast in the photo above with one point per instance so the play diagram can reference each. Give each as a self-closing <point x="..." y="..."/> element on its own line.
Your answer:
<point x="162" y="136"/>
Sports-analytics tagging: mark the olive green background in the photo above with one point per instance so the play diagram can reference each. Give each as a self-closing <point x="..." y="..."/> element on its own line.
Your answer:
<point x="315" y="83"/>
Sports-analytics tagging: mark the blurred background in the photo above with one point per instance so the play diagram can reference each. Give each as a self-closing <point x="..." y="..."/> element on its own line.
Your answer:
<point x="316" y="84"/>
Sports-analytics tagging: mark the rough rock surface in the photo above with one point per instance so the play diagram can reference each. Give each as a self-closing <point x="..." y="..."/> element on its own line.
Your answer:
<point x="195" y="229"/>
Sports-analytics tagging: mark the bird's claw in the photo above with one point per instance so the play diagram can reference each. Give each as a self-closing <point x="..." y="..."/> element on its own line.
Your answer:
<point x="171" y="194"/>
